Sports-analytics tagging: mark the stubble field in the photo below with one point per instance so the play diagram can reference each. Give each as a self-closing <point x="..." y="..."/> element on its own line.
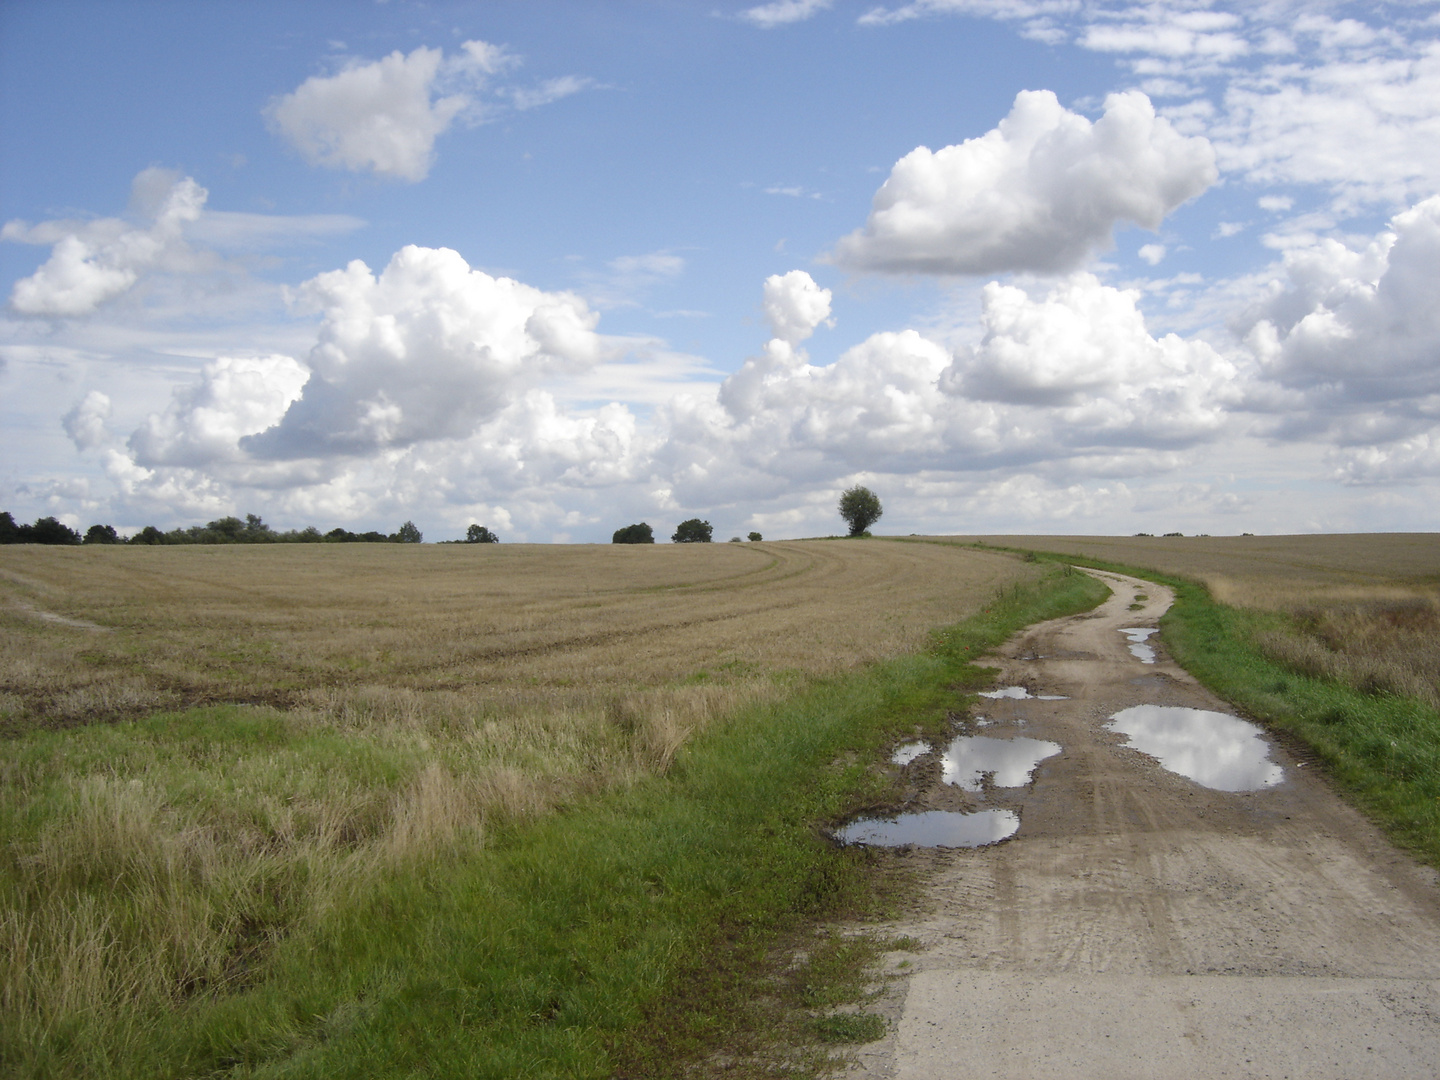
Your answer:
<point x="208" y="748"/>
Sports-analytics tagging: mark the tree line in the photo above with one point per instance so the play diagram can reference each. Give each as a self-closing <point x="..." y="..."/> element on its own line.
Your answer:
<point x="225" y="530"/>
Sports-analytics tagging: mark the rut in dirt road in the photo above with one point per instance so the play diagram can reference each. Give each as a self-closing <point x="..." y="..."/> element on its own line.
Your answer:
<point x="1140" y="923"/>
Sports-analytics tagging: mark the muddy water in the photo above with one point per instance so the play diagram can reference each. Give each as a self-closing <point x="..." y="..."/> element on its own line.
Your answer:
<point x="1011" y="763"/>
<point x="1212" y="748"/>
<point x="933" y="828"/>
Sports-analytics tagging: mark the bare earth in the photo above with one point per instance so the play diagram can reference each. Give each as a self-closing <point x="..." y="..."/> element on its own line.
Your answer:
<point x="1141" y="925"/>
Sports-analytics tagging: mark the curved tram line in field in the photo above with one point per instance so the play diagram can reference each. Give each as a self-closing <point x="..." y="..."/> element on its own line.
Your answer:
<point x="1212" y="910"/>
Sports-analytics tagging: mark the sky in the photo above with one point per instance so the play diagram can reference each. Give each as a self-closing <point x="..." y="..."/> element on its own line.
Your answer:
<point x="552" y="267"/>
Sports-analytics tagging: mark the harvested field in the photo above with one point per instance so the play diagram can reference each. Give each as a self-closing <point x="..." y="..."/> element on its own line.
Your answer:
<point x="91" y="634"/>
<point x="369" y="710"/>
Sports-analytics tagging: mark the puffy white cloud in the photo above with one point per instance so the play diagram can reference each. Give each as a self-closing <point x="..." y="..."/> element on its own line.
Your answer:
<point x="1041" y="192"/>
<point x="384" y="116"/>
<point x="86" y="423"/>
<point x="428" y="349"/>
<point x="1357" y="325"/>
<point x="782" y="12"/>
<point x="1152" y="253"/>
<point x="794" y="305"/>
<point x="1084" y="352"/>
<point x="96" y="261"/>
<point x="204" y="423"/>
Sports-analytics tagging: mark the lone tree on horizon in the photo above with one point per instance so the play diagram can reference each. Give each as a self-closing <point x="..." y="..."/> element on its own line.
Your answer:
<point x="860" y="507"/>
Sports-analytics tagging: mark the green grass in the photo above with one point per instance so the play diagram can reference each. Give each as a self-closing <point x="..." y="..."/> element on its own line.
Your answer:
<point x="1382" y="749"/>
<point x="620" y="936"/>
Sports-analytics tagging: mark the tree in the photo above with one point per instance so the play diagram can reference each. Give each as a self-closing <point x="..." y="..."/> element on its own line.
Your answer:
<point x="860" y="507"/>
<point x="640" y="533"/>
<point x="408" y="534"/>
<point x="693" y="531"/>
<point x="48" y="530"/>
<point x="102" y="534"/>
<point x="479" y="534"/>
<point x="756" y="536"/>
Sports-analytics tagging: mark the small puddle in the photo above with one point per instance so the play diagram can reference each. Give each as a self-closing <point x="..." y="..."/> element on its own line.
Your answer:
<point x="933" y="828"/>
<point x="1214" y="749"/>
<point x="1010" y="762"/>
<point x="1019" y="693"/>
<point x="907" y="753"/>
<point x="1138" y="649"/>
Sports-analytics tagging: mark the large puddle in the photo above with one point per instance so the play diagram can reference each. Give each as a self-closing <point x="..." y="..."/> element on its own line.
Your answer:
<point x="1019" y="693"/>
<point x="1214" y="749"/>
<point x="1138" y="636"/>
<point x="1009" y="762"/>
<point x="933" y="828"/>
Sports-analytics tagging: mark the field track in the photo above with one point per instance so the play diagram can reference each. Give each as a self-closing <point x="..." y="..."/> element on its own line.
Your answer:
<point x="1141" y="925"/>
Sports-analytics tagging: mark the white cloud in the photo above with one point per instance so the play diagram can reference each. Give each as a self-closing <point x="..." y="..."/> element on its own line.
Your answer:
<point x="1367" y="128"/>
<point x="428" y="349"/>
<point x="783" y="12"/>
<point x="1275" y="204"/>
<point x="1357" y="326"/>
<point x="1084" y="351"/>
<point x="1152" y="253"/>
<point x="794" y="305"/>
<point x="204" y="423"/>
<point x="383" y="116"/>
<point x="86" y="423"/>
<point x="95" y="261"/>
<point x="1042" y="192"/>
<point x="549" y="91"/>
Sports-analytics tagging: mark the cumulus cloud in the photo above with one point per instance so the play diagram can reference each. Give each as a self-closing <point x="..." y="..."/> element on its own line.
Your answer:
<point x="86" y="423"/>
<point x="1360" y="325"/>
<point x="782" y="12"/>
<point x="204" y="423"/>
<point x="1084" y="349"/>
<point x="794" y="305"/>
<point x="427" y="349"/>
<point x="1042" y="192"/>
<point x="95" y="261"/>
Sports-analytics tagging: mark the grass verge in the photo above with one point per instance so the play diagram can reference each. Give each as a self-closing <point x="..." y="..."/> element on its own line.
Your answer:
<point x="619" y="936"/>
<point x="1382" y="749"/>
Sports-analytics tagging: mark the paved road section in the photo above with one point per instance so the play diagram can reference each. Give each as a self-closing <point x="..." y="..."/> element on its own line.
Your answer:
<point x="1142" y="925"/>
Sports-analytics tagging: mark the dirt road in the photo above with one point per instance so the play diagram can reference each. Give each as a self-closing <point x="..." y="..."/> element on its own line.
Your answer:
<point x="1141" y="924"/>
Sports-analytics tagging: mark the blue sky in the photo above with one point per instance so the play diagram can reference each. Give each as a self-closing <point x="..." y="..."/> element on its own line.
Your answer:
<point x="1018" y="265"/>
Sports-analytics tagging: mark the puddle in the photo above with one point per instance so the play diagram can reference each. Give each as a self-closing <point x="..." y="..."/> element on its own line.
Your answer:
<point x="907" y="753"/>
<point x="1138" y="649"/>
<point x="1019" y="693"/>
<point x="1214" y="749"/>
<point x="1011" y="762"/>
<point x="933" y="828"/>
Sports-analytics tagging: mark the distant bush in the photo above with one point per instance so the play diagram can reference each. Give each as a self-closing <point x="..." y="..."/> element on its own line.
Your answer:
<point x="693" y="531"/>
<point x="479" y="534"/>
<point x="102" y="534"/>
<point x="756" y="536"/>
<point x="634" y="534"/>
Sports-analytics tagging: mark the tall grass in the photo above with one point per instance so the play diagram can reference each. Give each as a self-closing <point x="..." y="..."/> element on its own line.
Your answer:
<point x="255" y="893"/>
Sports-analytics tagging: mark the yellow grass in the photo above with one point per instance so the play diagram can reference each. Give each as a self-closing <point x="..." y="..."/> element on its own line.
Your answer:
<point x="423" y="694"/>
